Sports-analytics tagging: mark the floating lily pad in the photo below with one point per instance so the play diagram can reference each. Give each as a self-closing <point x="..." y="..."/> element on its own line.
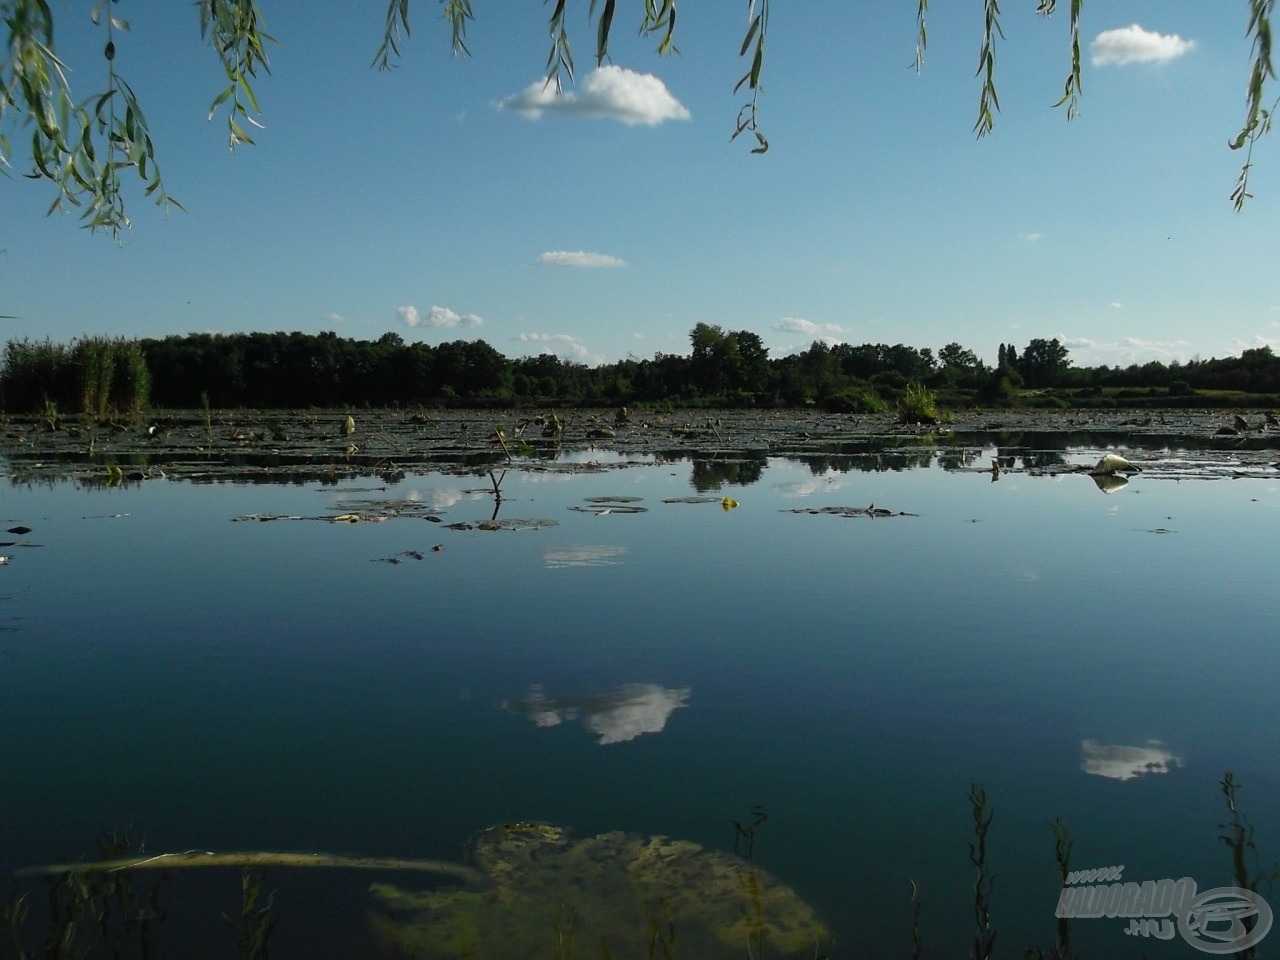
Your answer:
<point x="611" y="895"/>
<point x="601" y="509"/>
<point x="402" y="556"/>
<point x="389" y="508"/>
<point x="693" y="500"/>
<point x="512" y="523"/>
<point x="613" y="499"/>
<point x="868" y="511"/>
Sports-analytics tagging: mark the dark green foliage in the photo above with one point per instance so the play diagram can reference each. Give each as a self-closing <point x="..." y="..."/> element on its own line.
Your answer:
<point x="95" y="376"/>
<point x="856" y="400"/>
<point x="101" y="377"/>
<point x="917" y="405"/>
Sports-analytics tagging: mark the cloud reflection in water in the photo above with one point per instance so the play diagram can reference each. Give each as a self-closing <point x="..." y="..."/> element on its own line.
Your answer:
<point x="626" y="713"/>
<point x="583" y="556"/>
<point x="1119" y="762"/>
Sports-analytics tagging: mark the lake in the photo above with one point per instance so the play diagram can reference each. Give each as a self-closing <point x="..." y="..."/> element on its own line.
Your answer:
<point x="662" y="646"/>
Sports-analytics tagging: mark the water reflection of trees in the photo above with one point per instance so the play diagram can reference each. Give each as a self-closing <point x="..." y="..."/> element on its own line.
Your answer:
<point x="886" y="461"/>
<point x="711" y="475"/>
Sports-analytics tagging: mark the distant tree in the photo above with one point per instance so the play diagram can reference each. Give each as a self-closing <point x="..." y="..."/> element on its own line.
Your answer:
<point x="84" y="146"/>
<point x="1043" y="362"/>
<point x="954" y="355"/>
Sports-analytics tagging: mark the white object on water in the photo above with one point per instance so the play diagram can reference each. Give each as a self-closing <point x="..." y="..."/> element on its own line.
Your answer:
<point x="1114" y="463"/>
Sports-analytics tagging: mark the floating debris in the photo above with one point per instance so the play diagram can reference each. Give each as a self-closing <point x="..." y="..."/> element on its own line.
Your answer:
<point x="19" y="530"/>
<point x="614" y="892"/>
<point x="1114" y="463"/>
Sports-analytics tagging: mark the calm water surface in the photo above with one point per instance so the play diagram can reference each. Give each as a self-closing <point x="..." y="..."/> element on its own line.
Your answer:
<point x="246" y="685"/>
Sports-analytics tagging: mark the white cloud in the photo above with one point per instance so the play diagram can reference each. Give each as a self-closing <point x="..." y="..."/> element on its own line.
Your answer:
<point x="562" y="345"/>
<point x="1239" y="346"/>
<point x="808" y="327"/>
<point x="1124" y="351"/>
<point x="333" y="318"/>
<point x="1133" y="44"/>
<point x="437" y="317"/>
<point x="577" y="258"/>
<point x="1032" y="237"/>
<point x="608" y="92"/>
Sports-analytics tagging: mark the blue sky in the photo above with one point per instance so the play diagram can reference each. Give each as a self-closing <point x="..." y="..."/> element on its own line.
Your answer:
<point x="448" y="199"/>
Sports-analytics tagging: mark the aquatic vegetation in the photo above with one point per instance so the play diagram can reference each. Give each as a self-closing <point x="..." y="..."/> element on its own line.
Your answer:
<point x="612" y="894"/>
<point x="917" y="405"/>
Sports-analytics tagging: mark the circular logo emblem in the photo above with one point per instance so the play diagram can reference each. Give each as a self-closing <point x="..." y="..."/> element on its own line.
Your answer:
<point x="1214" y="921"/>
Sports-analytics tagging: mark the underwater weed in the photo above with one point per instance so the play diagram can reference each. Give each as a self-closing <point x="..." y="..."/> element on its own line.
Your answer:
<point x="254" y="925"/>
<point x="984" y="939"/>
<point x="662" y="932"/>
<point x="1062" y="844"/>
<point x="917" y="937"/>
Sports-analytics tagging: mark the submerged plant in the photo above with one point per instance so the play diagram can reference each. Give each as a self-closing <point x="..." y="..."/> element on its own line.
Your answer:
<point x="984" y="938"/>
<point x="610" y="893"/>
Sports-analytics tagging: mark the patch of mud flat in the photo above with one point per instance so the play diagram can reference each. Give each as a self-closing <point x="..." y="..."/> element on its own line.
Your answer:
<point x="330" y="446"/>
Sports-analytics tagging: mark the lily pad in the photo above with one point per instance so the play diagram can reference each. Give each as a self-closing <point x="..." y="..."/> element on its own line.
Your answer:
<point x="610" y="895"/>
<point x="513" y="523"/>
<point x="868" y="511"/>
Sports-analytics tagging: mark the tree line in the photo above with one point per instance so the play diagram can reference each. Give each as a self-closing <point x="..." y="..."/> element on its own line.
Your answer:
<point x="98" y="376"/>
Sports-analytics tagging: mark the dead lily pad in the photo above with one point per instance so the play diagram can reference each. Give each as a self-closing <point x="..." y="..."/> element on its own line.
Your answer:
<point x="613" y="895"/>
